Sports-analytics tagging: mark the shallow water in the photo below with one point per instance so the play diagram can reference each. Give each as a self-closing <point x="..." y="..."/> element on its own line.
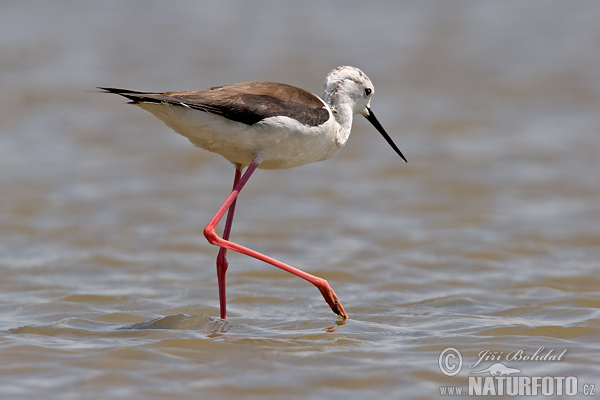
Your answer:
<point x="488" y="239"/>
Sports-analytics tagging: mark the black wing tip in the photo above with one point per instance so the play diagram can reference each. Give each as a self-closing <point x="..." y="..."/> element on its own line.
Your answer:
<point x="135" y="96"/>
<point x="108" y="90"/>
<point x="117" y="91"/>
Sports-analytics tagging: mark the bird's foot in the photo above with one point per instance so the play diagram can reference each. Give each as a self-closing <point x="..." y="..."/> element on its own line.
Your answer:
<point x="333" y="301"/>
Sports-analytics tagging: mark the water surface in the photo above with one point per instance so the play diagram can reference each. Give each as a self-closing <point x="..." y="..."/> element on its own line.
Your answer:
<point x="488" y="239"/>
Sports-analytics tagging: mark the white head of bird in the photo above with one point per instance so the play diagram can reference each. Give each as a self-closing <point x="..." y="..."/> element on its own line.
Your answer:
<point x="348" y="87"/>
<point x="348" y="91"/>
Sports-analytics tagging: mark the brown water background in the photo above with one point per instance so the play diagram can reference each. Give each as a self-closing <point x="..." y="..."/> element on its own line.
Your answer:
<point x="488" y="239"/>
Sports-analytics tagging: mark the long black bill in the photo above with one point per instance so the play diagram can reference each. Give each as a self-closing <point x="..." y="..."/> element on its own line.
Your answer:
<point x="372" y="119"/>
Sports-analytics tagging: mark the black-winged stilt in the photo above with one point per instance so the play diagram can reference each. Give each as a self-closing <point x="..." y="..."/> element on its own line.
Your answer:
<point x="265" y="125"/>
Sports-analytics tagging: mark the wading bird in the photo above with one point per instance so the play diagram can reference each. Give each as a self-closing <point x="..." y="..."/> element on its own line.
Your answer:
<point x="265" y="125"/>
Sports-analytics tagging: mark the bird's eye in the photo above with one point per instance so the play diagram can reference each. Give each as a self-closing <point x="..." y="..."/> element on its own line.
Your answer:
<point x="368" y="91"/>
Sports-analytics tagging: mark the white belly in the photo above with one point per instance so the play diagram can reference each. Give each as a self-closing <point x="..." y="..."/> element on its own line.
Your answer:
<point x="280" y="142"/>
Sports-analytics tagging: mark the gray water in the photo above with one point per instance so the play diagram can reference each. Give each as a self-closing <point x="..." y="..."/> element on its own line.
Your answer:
<point x="488" y="239"/>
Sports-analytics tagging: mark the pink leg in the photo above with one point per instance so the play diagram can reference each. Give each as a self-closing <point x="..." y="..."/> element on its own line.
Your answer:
<point x="224" y="243"/>
<point x="222" y="256"/>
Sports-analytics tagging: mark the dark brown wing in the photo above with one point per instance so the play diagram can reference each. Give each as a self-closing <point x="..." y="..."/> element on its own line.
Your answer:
<point x="247" y="102"/>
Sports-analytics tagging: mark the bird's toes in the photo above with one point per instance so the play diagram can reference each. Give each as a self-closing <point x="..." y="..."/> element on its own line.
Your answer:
<point x="333" y="301"/>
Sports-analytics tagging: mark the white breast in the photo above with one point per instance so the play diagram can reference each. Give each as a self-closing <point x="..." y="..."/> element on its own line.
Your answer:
<point x="280" y="142"/>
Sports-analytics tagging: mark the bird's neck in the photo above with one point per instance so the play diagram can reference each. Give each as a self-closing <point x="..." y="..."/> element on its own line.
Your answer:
<point x="343" y="115"/>
<point x="342" y="110"/>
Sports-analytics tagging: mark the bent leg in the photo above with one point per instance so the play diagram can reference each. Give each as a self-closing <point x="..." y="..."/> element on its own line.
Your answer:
<point x="210" y="234"/>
